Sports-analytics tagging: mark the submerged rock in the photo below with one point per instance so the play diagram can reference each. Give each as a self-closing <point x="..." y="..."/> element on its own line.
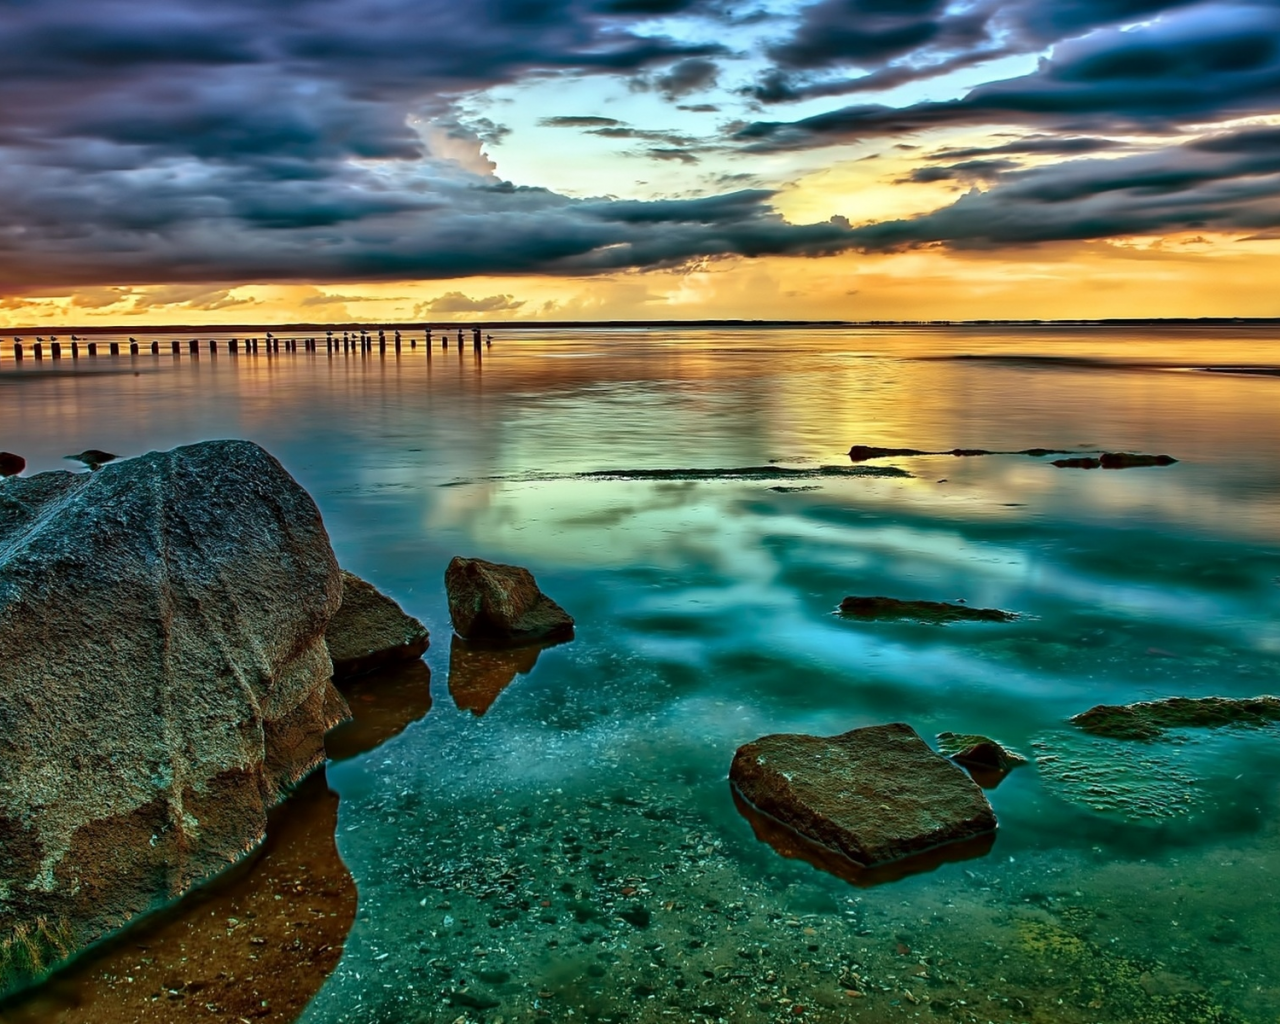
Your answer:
<point x="1127" y="460"/>
<point x="493" y="602"/>
<point x="1115" y="460"/>
<point x="370" y="631"/>
<point x="979" y="752"/>
<point x="863" y="452"/>
<point x="921" y="611"/>
<point x="165" y="681"/>
<point x="1149" y="720"/>
<point x="875" y="795"/>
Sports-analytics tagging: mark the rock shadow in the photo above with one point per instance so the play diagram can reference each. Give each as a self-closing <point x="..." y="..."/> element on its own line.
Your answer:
<point x="794" y="846"/>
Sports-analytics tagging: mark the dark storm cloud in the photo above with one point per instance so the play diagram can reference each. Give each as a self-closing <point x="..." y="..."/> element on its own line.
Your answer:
<point x="1205" y="63"/>
<point x="899" y="41"/>
<point x="1227" y="182"/>
<point x="1032" y="145"/>
<point x="183" y="141"/>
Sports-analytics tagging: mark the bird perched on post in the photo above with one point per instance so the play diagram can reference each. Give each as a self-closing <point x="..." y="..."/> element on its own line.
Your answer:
<point x="11" y="465"/>
<point x="94" y="458"/>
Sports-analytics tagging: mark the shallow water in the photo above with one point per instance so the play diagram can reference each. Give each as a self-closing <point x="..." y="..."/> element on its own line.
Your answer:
<point x="554" y="838"/>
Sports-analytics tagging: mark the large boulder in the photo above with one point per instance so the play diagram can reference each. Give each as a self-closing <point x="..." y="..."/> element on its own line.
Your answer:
<point x="370" y="631"/>
<point x="492" y="602"/>
<point x="165" y="682"/>
<point x="875" y="795"/>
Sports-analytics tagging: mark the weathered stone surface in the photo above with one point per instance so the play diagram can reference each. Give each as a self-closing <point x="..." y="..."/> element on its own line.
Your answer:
<point x="920" y="611"/>
<point x="493" y="602"/>
<point x="165" y="677"/>
<point x="1148" y="720"/>
<point x="875" y="795"/>
<point x="370" y="631"/>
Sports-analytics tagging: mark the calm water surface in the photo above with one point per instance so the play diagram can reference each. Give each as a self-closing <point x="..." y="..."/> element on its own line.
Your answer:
<point x="555" y="838"/>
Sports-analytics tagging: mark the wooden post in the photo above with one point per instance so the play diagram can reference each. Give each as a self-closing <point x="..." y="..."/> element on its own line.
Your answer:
<point x="133" y="347"/>
<point x="213" y="347"/>
<point x="93" y="349"/>
<point x="176" y="348"/>
<point x="38" y="349"/>
<point x="234" y="345"/>
<point x="155" y="348"/>
<point x="115" y="348"/>
<point x="55" y="349"/>
<point x="193" y="347"/>
<point x="17" y="351"/>
<point x="75" y="350"/>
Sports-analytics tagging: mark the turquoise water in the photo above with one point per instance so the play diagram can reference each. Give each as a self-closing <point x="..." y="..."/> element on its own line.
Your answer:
<point x="555" y="838"/>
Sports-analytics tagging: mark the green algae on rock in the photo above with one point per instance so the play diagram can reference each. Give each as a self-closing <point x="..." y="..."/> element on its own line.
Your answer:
<point x="1148" y="720"/>
<point x="935" y="612"/>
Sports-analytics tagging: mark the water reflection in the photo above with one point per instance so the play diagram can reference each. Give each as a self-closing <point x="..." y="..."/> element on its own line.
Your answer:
<point x="478" y="673"/>
<point x="255" y="944"/>
<point x="704" y="609"/>
<point x="383" y="704"/>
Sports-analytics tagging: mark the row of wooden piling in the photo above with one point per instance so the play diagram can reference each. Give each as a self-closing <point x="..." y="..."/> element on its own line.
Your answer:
<point x="362" y="342"/>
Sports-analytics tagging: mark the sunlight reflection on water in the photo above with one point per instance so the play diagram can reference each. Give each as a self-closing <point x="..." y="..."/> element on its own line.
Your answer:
<point x="705" y="619"/>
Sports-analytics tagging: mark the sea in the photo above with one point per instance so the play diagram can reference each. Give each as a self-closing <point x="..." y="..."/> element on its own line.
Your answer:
<point x="549" y="834"/>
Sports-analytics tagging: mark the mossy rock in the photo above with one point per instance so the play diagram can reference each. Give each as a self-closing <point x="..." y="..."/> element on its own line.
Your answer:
<point x="1149" y="720"/>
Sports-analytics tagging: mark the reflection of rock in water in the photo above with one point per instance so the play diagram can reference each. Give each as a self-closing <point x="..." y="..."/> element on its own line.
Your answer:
<point x="255" y="945"/>
<point x="478" y="674"/>
<point x="790" y="843"/>
<point x="382" y="705"/>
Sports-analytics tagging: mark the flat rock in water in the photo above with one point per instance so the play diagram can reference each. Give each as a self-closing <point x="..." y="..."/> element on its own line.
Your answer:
<point x="370" y="631"/>
<point x="501" y="603"/>
<point x="1115" y="460"/>
<point x="920" y="611"/>
<point x="165" y="681"/>
<point x="1149" y="720"/>
<point x="875" y="795"/>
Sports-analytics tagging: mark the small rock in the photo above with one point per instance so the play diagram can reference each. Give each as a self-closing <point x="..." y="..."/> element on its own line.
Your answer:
<point x="371" y="631"/>
<point x="1127" y="460"/>
<point x="11" y="465"/>
<point x="922" y="611"/>
<point x="489" y="601"/>
<point x="876" y="794"/>
<point x="979" y="752"/>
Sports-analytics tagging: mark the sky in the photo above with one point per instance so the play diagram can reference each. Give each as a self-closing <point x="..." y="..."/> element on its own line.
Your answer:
<point x="268" y="161"/>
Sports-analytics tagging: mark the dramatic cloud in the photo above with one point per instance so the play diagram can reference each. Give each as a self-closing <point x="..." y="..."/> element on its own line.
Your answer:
<point x="1210" y="62"/>
<point x="1225" y="182"/>
<point x="181" y="142"/>
<point x="893" y="42"/>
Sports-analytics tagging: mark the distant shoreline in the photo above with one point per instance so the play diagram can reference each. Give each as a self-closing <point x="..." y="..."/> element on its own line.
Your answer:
<point x="63" y="332"/>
